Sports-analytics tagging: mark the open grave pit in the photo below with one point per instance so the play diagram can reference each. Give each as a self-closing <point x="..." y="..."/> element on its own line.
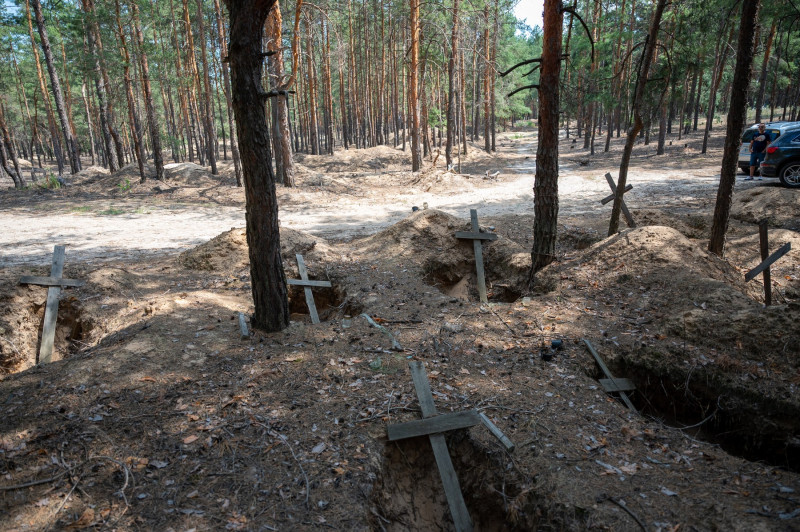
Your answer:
<point x="704" y="352"/>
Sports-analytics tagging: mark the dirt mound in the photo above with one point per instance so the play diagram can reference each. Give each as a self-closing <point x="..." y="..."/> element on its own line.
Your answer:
<point x="426" y="239"/>
<point x="90" y="173"/>
<point x="777" y="204"/>
<point x="188" y="174"/>
<point x="745" y="253"/>
<point x="692" y="225"/>
<point x="228" y="251"/>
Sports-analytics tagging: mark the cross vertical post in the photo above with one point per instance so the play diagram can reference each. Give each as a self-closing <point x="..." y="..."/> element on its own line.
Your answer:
<point x="307" y="284"/>
<point x="476" y="236"/>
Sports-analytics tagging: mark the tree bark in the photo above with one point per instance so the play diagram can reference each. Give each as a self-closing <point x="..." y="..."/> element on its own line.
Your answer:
<point x="267" y="278"/>
<point x="136" y="129"/>
<point x="152" y="121"/>
<point x="413" y="94"/>
<point x="51" y="122"/>
<point x="58" y="95"/>
<point x="281" y="135"/>
<point x="545" y="185"/>
<point x="226" y="80"/>
<point x="762" y="79"/>
<point x="736" y="122"/>
<point x="636" y="127"/>
<point x="208" y="105"/>
<point x="451" y="89"/>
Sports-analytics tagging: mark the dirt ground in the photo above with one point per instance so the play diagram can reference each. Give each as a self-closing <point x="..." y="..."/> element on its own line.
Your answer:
<point x="158" y="415"/>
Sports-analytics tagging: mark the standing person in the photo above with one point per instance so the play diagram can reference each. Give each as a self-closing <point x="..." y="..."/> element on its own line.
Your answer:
<point x="758" y="150"/>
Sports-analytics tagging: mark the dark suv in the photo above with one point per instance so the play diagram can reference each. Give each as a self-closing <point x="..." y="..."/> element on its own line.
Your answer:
<point x="783" y="158"/>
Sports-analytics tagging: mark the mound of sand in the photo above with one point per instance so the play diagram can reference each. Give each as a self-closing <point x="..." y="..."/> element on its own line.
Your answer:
<point x="778" y="204"/>
<point x="188" y="174"/>
<point x="427" y="240"/>
<point x="228" y="251"/>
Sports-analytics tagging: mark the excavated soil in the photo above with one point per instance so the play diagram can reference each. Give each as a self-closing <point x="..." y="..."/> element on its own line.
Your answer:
<point x="158" y="415"/>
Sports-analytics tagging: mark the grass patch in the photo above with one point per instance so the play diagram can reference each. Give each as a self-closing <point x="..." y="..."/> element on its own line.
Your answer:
<point x="83" y="208"/>
<point x="111" y="211"/>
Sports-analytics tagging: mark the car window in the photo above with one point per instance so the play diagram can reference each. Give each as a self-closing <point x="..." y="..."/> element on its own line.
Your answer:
<point x="774" y="133"/>
<point x="748" y="135"/>
<point x="796" y="139"/>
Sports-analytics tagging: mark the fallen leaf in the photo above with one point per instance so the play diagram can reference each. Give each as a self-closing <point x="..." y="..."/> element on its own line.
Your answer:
<point x="84" y="521"/>
<point x="189" y="439"/>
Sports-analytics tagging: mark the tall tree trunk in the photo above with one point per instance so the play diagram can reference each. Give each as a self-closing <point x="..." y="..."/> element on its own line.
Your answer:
<point x="136" y="130"/>
<point x="223" y="46"/>
<point x="487" y="99"/>
<point x="762" y="79"/>
<point x="545" y="185"/>
<point x="413" y="95"/>
<point x="636" y="127"/>
<point x="736" y="122"/>
<point x="51" y="122"/>
<point x="281" y="135"/>
<point x="208" y="105"/>
<point x="152" y="121"/>
<point x="267" y="278"/>
<point x="722" y="57"/>
<point x="88" y="123"/>
<point x="451" y="89"/>
<point x="5" y="144"/>
<point x="58" y="95"/>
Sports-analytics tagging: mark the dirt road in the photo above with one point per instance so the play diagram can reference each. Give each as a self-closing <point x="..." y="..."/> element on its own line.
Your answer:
<point x="136" y="227"/>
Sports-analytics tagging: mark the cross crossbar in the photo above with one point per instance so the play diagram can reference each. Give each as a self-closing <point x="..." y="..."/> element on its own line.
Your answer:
<point x="611" y="197"/>
<point x="625" y="211"/>
<point x="477" y="237"/>
<point x="50" y="281"/>
<point x="783" y="250"/>
<point x="616" y="383"/>
<point x="307" y="284"/>
<point x="433" y="425"/>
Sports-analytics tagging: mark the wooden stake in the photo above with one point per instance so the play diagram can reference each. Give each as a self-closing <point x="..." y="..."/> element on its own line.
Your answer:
<point x="476" y="236"/>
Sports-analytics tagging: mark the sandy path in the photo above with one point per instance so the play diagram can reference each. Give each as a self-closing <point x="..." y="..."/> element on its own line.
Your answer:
<point x="135" y="230"/>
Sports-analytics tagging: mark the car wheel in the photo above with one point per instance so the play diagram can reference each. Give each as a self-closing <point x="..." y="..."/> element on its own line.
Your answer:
<point x="745" y="169"/>
<point x="790" y="175"/>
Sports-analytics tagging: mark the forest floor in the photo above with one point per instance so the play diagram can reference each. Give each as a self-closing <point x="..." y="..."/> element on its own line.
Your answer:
<point x="159" y="416"/>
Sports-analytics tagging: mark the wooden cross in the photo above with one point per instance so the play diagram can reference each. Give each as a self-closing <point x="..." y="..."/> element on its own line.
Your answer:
<point x="307" y="284"/>
<point x="433" y="426"/>
<point x="54" y="284"/>
<point x="476" y="236"/>
<point x="766" y="261"/>
<point x="625" y="211"/>
<point x="611" y="384"/>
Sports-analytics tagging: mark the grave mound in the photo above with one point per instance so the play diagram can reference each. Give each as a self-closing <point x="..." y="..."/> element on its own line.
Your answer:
<point x="778" y="204"/>
<point x="228" y="251"/>
<point x="427" y="240"/>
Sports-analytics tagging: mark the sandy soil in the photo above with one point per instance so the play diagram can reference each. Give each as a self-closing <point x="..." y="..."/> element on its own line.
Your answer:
<point x="159" y="416"/>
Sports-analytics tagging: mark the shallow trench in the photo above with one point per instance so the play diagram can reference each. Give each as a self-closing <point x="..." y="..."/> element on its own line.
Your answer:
<point x="408" y="493"/>
<point x="741" y="421"/>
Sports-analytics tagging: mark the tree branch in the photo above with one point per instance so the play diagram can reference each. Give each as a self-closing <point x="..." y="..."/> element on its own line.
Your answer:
<point x="571" y="11"/>
<point x="520" y="64"/>
<point x="510" y="94"/>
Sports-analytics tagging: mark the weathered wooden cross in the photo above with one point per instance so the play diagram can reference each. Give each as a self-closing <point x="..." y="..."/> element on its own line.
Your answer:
<point x="611" y="384"/>
<point x="54" y="284"/>
<point x="307" y="284"/>
<point x="434" y="426"/>
<point x="607" y="199"/>
<point x="767" y="261"/>
<point x="476" y="236"/>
